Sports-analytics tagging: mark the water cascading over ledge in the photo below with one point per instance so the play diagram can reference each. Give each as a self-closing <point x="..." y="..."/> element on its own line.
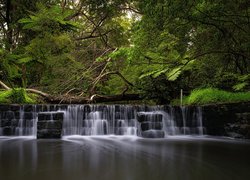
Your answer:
<point x="54" y="121"/>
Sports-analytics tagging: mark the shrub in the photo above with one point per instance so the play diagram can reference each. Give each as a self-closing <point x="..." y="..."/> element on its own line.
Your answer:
<point x="213" y="96"/>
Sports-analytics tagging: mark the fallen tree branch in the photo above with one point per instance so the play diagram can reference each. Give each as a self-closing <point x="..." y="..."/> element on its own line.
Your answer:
<point x="113" y="98"/>
<point x="4" y="85"/>
<point x="38" y="92"/>
<point x="67" y="99"/>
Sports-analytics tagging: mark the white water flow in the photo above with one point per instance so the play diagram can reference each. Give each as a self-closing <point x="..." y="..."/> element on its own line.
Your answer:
<point x="184" y="119"/>
<point x="200" y="124"/>
<point x="26" y="123"/>
<point x="92" y="120"/>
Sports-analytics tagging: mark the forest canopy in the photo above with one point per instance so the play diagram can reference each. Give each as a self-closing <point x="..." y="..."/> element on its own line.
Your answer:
<point x="77" y="50"/>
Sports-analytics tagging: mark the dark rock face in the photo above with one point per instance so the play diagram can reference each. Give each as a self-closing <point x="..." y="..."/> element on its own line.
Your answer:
<point x="151" y="124"/>
<point x="153" y="134"/>
<point x="227" y="120"/>
<point x="49" y="125"/>
<point x="142" y="117"/>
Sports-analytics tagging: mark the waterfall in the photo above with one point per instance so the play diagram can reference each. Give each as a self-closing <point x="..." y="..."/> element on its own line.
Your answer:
<point x="145" y="121"/>
<point x="100" y="120"/>
<point x="92" y="120"/>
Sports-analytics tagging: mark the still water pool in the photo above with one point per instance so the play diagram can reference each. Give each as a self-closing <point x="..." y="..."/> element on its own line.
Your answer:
<point x="124" y="158"/>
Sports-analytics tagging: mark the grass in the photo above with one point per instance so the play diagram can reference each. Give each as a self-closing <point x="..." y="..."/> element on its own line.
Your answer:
<point x="16" y="96"/>
<point x="213" y="96"/>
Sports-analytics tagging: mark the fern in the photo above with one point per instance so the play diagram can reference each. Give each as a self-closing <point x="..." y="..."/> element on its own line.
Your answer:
<point x="174" y="74"/>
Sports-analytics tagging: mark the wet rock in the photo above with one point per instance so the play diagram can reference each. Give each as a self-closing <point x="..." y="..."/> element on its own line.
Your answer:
<point x="15" y="107"/>
<point x="45" y="116"/>
<point x="153" y="134"/>
<point x="28" y="108"/>
<point x="4" y="108"/>
<point x="5" y="122"/>
<point x="142" y="117"/>
<point x="58" y="116"/>
<point x="234" y="135"/>
<point x="49" y="125"/>
<point x="151" y="125"/>
<point x="28" y="115"/>
<point x="49" y="134"/>
<point x="7" y="131"/>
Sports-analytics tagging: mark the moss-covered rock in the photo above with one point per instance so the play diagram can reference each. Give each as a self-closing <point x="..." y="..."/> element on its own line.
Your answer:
<point x="16" y="96"/>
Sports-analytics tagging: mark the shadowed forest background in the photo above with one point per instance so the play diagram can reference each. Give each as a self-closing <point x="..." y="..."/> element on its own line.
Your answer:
<point x="67" y="50"/>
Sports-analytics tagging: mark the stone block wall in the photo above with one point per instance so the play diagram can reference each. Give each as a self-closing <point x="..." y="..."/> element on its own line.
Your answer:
<point x="227" y="119"/>
<point x="49" y="125"/>
<point x="151" y="125"/>
<point x="16" y="120"/>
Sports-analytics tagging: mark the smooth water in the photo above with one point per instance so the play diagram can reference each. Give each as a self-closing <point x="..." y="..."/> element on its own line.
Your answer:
<point x="124" y="158"/>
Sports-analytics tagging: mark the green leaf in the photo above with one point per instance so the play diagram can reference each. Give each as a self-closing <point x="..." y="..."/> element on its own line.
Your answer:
<point x="147" y="74"/>
<point x="240" y="86"/>
<point x="24" y="60"/>
<point x="156" y="74"/>
<point x="174" y="74"/>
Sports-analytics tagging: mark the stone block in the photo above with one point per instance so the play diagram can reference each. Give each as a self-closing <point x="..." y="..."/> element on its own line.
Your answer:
<point x="14" y="122"/>
<point x="153" y="134"/>
<point x="44" y="116"/>
<point x="153" y="117"/>
<point x="17" y="115"/>
<point x="7" y="131"/>
<point x="58" y="116"/>
<point x="151" y="125"/>
<point x="28" y="108"/>
<point x="15" y="107"/>
<point x="5" y="122"/>
<point x="28" y="115"/>
<point x="141" y="117"/>
<point x="49" y="134"/>
<point x="4" y="108"/>
<point x="7" y="115"/>
<point x="49" y="125"/>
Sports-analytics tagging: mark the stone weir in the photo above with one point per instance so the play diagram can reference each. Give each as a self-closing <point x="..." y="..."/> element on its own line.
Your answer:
<point x="55" y="121"/>
<point x="231" y="120"/>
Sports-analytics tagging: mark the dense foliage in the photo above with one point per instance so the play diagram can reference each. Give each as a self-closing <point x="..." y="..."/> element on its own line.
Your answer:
<point x="211" y="96"/>
<point x="151" y="48"/>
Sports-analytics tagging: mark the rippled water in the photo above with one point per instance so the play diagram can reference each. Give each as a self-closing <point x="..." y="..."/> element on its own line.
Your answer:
<point x="124" y="158"/>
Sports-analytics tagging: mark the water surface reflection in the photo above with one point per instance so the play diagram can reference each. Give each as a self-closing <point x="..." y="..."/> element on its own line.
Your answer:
<point x="123" y="158"/>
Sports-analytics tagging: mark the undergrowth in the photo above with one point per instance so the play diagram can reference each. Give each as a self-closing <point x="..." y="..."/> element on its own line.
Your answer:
<point x="213" y="96"/>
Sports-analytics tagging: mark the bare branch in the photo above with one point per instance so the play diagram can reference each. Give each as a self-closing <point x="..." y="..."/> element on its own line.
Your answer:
<point x="4" y="85"/>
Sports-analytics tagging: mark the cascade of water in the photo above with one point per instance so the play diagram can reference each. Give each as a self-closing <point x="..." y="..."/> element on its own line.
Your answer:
<point x="99" y="120"/>
<point x="19" y="128"/>
<point x="148" y="121"/>
<point x="26" y="123"/>
<point x="199" y="120"/>
<point x="184" y="119"/>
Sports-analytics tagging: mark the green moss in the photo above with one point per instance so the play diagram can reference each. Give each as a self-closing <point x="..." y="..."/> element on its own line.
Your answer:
<point x="17" y="96"/>
<point x="213" y="96"/>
